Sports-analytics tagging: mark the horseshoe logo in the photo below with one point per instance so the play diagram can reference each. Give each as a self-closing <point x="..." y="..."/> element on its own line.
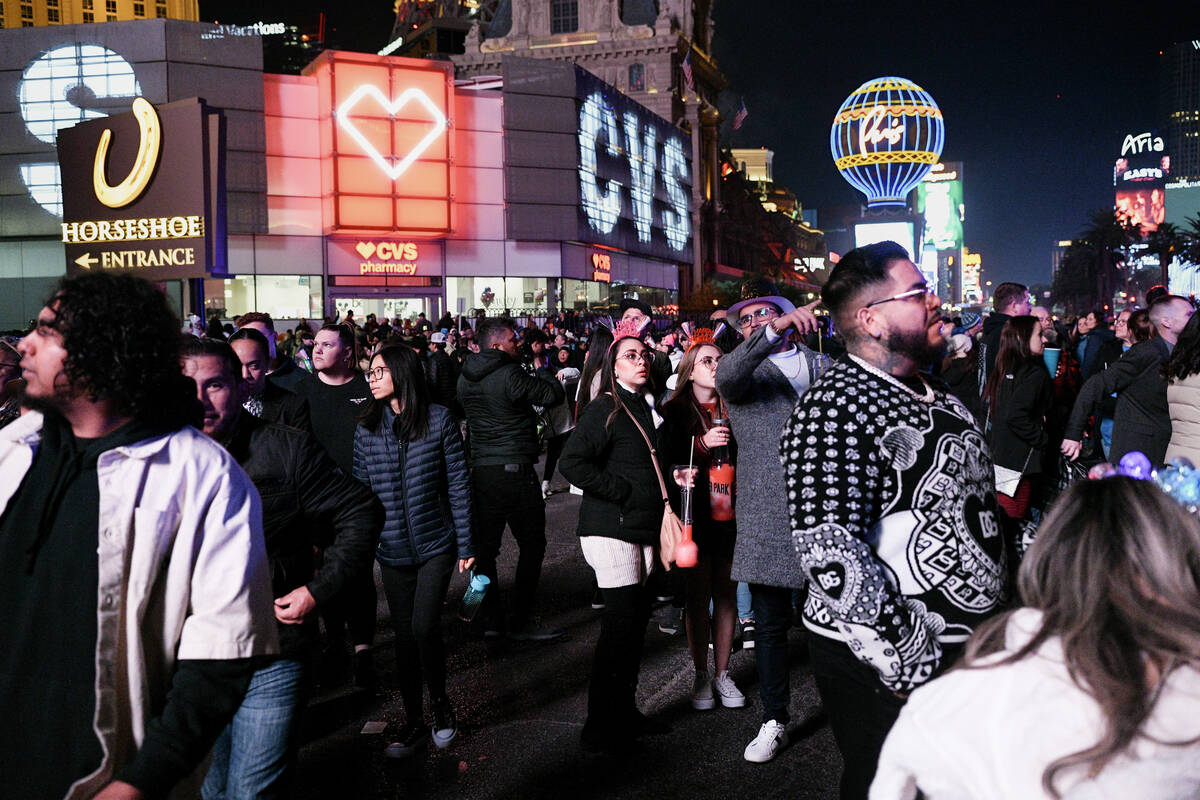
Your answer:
<point x="149" y="144"/>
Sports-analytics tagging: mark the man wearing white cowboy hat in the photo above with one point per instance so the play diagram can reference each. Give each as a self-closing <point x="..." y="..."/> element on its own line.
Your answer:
<point x="761" y="380"/>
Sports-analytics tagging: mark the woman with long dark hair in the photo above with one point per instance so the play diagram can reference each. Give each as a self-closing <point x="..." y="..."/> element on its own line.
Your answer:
<point x="1092" y="689"/>
<point x="410" y="453"/>
<point x="612" y="456"/>
<point x="691" y="437"/>
<point x="593" y="365"/>
<point x="1016" y="398"/>
<point x="1182" y="372"/>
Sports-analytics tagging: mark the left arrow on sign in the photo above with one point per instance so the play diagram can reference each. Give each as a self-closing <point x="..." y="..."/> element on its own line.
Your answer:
<point x="87" y="260"/>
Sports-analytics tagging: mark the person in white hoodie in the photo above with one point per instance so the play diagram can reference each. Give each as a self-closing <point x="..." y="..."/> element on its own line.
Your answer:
<point x="1089" y="691"/>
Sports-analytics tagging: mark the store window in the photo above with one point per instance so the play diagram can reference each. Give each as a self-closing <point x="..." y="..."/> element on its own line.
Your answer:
<point x="281" y="296"/>
<point x="520" y="296"/>
<point x="564" y="16"/>
<point x="637" y="77"/>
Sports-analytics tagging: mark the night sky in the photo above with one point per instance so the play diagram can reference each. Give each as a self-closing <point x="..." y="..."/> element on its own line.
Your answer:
<point x="1036" y="99"/>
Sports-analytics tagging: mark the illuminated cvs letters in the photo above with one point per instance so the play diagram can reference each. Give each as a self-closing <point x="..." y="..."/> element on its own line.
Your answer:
<point x="647" y="165"/>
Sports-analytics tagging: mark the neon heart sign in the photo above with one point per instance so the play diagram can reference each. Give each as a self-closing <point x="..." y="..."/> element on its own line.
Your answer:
<point x="393" y="107"/>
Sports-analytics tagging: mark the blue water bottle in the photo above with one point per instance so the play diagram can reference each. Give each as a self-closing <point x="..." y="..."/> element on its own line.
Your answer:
<point x="474" y="595"/>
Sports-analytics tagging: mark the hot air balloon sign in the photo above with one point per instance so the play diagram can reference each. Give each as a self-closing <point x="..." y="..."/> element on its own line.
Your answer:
<point x="885" y="138"/>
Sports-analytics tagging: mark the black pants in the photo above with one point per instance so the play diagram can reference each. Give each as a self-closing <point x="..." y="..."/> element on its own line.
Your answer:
<point x="618" y="657"/>
<point x="353" y="608"/>
<point x="414" y="597"/>
<point x="508" y="495"/>
<point x="861" y="711"/>
<point x="772" y="619"/>
<point x="554" y="448"/>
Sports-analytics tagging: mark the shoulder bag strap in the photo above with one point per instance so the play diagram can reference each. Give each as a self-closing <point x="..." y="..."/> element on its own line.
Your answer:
<point x="662" y="485"/>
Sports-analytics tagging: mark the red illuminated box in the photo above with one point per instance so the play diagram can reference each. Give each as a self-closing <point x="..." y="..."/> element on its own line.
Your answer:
<point x="386" y="142"/>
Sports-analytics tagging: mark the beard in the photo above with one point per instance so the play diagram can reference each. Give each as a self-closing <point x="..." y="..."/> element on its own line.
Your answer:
<point x="915" y="345"/>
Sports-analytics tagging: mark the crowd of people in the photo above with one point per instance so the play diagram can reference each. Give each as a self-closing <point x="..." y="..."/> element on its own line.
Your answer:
<point x="189" y="527"/>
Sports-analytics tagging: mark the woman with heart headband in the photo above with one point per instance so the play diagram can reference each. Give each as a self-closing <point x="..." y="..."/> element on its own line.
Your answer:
<point x="692" y="438"/>
<point x="619" y="520"/>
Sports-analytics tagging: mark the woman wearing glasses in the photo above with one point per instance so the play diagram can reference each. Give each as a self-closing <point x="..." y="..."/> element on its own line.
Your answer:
<point x="609" y="458"/>
<point x="410" y="453"/>
<point x="691" y="437"/>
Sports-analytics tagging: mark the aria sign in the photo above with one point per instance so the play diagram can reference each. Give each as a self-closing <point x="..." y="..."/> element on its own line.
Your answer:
<point x="1141" y="143"/>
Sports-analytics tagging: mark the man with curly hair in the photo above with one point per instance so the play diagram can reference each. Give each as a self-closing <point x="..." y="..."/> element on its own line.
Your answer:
<point x="133" y="575"/>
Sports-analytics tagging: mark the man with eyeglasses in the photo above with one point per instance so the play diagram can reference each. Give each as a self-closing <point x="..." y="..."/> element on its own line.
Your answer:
<point x="893" y="513"/>
<point x="307" y="501"/>
<point x="498" y="397"/>
<point x="761" y="380"/>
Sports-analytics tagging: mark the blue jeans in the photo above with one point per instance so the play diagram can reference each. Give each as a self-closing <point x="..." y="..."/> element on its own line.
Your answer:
<point x="772" y="619"/>
<point x="744" y="611"/>
<point x="252" y="755"/>
<point x="1106" y="429"/>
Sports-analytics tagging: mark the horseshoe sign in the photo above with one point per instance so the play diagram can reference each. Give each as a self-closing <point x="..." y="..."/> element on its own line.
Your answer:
<point x="143" y="192"/>
<point x="149" y="145"/>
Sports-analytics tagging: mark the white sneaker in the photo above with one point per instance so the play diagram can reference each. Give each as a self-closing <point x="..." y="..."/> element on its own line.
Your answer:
<point x="702" y="693"/>
<point x="764" y="746"/>
<point x="727" y="690"/>
<point x="545" y="489"/>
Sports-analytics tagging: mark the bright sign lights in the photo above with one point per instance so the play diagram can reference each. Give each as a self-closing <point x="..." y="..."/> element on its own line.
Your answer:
<point x="63" y="87"/>
<point x="396" y="167"/>
<point x="885" y="137"/>
<point x="601" y="267"/>
<point x="392" y="258"/>
<point x="633" y="166"/>
<point x="385" y="126"/>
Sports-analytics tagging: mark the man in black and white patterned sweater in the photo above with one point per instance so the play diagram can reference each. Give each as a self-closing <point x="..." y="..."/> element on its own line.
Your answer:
<point x="893" y="512"/>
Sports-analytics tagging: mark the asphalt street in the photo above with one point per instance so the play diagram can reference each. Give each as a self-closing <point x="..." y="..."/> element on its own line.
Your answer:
<point x="521" y="706"/>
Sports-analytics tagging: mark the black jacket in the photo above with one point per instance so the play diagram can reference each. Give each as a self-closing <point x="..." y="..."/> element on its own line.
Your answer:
<point x="306" y="500"/>
<point x="989" y="343"/>
<point x="285" y="408"/>
<point x="1142" y="420"/>
<point x="612" y="464"/>
<point x="1109" y="352"/>
<point x="1093" y="351"/>
<point x="423" y="485"/>
<point x="442" y="375"/>
<point x="962" y="378"/>
<point x="1017" y="430"/>
<point x="498" y="398"/>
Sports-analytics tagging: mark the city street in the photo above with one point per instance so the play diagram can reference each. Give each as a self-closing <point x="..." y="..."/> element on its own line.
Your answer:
<point x="520" y="708"/>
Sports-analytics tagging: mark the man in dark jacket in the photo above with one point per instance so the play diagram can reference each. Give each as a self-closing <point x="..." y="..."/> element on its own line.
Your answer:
<point x="442" y="375"/>
<point x="283" y="371"/>
<point x="302" y="492"/>
<point x="1096" y="339"/>
<point x="498" y="398"/>
<point x="265" y="399"/>
<point x="1009" y="300"/>
<point x="1142" y="421"/>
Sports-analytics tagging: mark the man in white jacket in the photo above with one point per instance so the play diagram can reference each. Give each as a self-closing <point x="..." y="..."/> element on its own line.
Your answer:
<point x="133" y="575"/>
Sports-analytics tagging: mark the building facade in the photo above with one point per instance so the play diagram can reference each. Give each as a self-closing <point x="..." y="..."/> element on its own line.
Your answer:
<point x="32" y="13"/>
<point x="381" y="184"/>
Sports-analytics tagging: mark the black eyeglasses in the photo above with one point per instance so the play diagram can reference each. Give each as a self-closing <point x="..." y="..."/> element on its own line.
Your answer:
<point x="923" y="293"/>
<point x="763" y="313"/>
<point x="374" y="373"/>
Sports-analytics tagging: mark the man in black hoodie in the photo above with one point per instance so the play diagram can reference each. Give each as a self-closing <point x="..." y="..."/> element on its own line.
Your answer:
<point x="1009" y="300"/>
<point x="498" y="397"/>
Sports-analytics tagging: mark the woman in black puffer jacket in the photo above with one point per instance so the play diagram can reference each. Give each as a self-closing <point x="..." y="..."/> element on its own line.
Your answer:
<point x="411" y="455"/>
<point x="619" y="521"/>
<point x="1017" y="397"/>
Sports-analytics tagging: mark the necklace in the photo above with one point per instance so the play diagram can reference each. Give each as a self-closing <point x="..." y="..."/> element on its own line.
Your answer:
<point x="926" y="397"/>
<point x="794" y="355"/>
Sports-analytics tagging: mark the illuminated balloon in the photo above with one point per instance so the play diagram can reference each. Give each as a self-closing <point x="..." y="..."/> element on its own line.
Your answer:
<point x="1135" y="465"/>
<point x="1101" y="471"/>
<point x="885" y="138"/>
